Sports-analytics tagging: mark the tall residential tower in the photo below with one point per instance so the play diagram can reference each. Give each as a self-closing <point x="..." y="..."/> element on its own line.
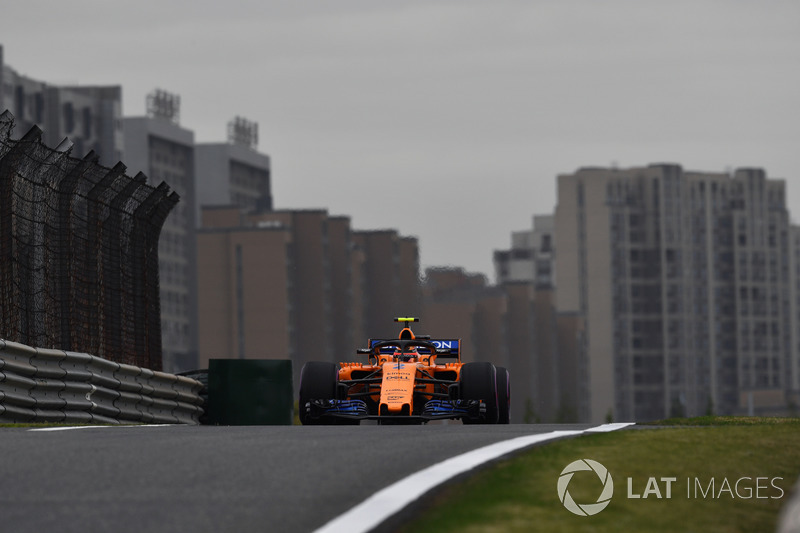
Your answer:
<point x="158" y="146"/>
<point x="683" y="286"/>
<point x="90" y="116"/>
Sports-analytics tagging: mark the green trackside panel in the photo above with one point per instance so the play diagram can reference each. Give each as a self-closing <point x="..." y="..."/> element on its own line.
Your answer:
<point x="250" y="392"/>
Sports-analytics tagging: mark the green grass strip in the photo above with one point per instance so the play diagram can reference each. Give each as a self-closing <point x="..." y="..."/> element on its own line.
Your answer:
<point x="725" y="421"/>
<point x="520" y="494"/>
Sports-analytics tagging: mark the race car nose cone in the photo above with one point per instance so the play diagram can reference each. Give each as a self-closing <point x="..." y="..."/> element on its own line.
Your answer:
<point x="397" y="388"/>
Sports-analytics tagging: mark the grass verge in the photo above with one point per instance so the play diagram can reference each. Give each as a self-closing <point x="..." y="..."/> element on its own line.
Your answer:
<point x="520" y="494"/>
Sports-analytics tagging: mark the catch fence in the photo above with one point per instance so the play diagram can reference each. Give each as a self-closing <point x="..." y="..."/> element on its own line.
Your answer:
<point x="78" y="252"/>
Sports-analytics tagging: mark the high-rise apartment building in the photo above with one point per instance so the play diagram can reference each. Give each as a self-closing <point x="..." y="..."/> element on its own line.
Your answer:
<point x="450" y="297"/>
<point x="347" y="288"/>
<point x="89" y="116"/>
<point x="531" y="255"/>
<point x="245" y="287"/>
<point x="158" y="146"/>
<point x="311" y="283"/>
<point x="234" y="172"/>
<point x="222" y="173"/>
<point x="680" y="291"/>
<point x="300" y="276"/>
<point x="391" y="279"/>
<point x="794" y="310"/>
<point x="526" y="272"/>
<point x="512" y="325"/>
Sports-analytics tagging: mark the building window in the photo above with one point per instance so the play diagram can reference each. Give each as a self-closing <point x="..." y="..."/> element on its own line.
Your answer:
<point x="87" y="122"/>
<point x="69" y="117"/>
<point x="546" y="243"/>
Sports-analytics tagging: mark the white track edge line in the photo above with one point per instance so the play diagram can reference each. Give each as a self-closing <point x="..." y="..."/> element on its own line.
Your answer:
<point x="68" y="428"/>
<point x="386" y="502"/>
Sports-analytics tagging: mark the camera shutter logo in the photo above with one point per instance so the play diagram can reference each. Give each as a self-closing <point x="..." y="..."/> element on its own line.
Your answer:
<point x="585" y="509"/>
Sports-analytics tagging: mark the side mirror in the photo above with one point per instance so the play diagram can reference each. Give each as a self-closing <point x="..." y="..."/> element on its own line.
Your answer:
<point x="363" y="351"/>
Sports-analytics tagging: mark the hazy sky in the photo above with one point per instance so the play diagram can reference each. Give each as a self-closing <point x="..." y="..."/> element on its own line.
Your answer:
<point x="447" y="120"/>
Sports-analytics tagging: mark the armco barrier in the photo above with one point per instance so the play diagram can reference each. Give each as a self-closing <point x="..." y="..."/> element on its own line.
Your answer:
<point x="44" y="385"/>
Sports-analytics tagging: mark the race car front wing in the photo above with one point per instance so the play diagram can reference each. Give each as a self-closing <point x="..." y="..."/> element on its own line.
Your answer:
<point x="357" y="409"/>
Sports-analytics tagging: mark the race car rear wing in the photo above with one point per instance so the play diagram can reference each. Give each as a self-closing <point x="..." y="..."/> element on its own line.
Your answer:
<point x="450" y="348"/>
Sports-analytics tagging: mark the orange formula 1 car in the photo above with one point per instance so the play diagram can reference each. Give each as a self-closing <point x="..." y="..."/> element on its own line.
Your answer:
<point x="404" y="382"/>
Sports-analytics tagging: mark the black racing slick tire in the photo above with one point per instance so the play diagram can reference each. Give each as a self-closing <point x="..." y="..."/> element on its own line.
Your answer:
<point x="503" y="395"/>
<point x="479" y="382"/>
<point x="317" y="382"/>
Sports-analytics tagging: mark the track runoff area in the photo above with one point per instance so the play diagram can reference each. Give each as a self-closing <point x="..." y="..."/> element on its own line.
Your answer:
<point x="385" y="503"/>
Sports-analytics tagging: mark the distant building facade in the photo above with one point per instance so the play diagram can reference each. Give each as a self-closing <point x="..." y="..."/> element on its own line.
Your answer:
<point x="245" y="287"/>
<point x="526" y="273"/>
<point x="680" y="291"/>
<point x="531" y="255"/>
<point x="391" y="281"/>
<point x="301" y="277"/>
<point x="312" y="286"/>
<point x="159" y="147"/>
<point x="89" y="116"/>
<point x="512" y="325"/>
<point x="234" y="172"/>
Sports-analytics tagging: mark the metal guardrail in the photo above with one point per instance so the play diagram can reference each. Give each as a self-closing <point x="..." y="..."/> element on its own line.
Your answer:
<point x="45" y="385"/>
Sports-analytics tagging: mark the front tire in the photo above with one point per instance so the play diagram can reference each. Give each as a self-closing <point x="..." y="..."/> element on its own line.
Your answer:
<point x="503" y="395"/>
<point x="317" y="382"/>
<point x="479" y="382"/>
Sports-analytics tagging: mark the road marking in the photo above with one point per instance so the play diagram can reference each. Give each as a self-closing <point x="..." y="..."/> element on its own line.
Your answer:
<point x="386" y="502"/>
<point x="68" y="428"/>
<point x="605" y="428"/>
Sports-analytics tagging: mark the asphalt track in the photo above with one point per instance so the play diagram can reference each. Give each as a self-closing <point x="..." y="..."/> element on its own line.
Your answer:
<point x="211" y="479"/>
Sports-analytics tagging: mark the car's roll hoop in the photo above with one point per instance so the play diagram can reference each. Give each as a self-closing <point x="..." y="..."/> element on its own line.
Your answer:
<point x="406" y="333"/>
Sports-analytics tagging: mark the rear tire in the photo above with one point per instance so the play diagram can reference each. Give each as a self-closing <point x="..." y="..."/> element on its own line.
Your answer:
<point x="317" y="382"/>
<point x="479" y="382"/>
<point x="503" y="395"/>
